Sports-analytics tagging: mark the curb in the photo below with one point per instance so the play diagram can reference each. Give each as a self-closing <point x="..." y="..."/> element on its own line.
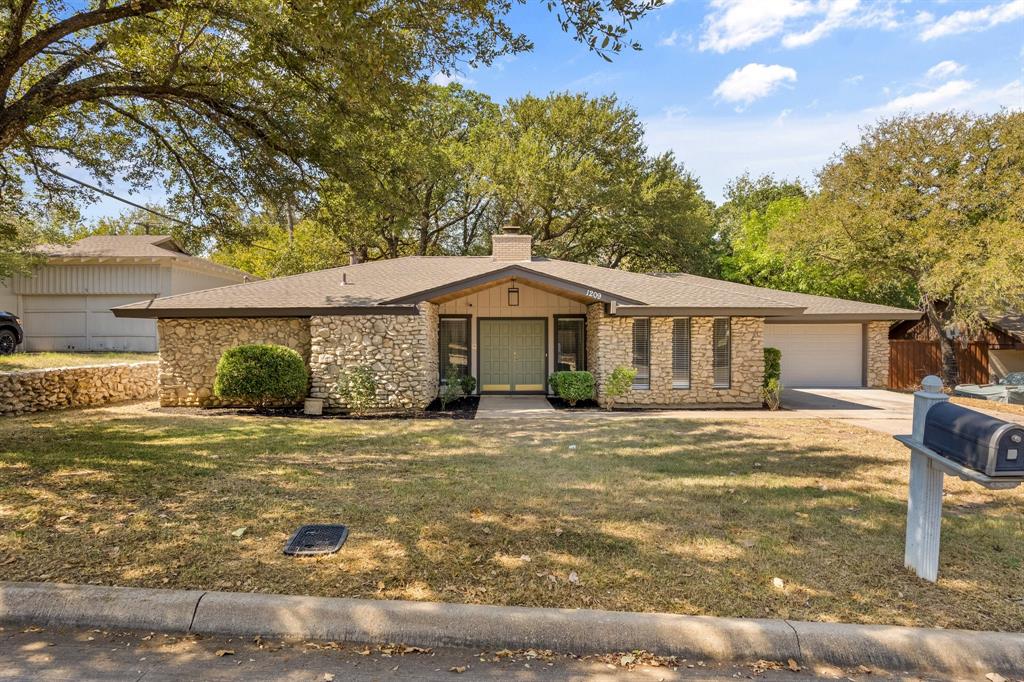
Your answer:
<point x="430" y="624"/>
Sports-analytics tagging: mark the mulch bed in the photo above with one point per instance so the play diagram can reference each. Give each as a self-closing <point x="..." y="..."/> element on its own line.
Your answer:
<point x="463" y="408"/>
<point x="581" y="406"/>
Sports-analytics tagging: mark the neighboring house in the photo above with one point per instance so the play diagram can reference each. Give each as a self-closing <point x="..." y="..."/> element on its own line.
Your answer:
<point x="510" y="319"/>
<point x="994" y="352"/>
<point x="64" y="305"/>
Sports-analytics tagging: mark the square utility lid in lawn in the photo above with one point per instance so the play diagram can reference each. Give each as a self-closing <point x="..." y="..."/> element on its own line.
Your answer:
<point x="317" y="538"/>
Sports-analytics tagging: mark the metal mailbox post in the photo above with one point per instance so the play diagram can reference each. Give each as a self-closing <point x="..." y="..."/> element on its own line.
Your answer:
<point x="928" y="467"/>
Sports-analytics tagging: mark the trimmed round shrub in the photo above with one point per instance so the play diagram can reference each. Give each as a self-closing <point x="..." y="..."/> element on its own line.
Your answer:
<point x="573" y="387"/>
<point x="261" y="374"/>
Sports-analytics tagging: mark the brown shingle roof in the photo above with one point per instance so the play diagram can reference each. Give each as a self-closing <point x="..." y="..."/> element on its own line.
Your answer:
<point x="400" y="283"/>
<point x="157" y="246"/>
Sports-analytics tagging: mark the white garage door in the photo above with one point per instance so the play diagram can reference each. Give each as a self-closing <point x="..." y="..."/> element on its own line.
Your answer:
<point x="85" y="323"/>
<point x="818" y="355"/>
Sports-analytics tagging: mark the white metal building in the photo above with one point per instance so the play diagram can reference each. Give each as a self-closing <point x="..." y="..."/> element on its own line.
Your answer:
<point x="65" y="304"/>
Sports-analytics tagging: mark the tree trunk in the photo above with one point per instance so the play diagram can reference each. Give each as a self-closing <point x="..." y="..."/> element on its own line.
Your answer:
<point x="950" y="366"/>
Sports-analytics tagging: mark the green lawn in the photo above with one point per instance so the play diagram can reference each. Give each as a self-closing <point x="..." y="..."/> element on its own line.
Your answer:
<point x="690" y="517"/>
<point x="10" y="363"/>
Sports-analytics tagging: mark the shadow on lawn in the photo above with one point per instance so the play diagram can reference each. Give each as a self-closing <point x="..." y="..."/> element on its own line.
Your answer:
<point x="664" y="515"/>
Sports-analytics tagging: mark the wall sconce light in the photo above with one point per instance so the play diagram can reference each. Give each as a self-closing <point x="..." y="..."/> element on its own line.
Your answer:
<point x="513" y="294"/>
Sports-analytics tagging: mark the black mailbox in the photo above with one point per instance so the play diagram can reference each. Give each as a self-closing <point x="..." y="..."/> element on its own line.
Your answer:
<point x="977" y="441"/>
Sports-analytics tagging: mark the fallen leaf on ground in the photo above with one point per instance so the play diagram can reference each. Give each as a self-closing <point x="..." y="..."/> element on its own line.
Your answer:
<point x="458" y="669"/>
<point x="995" y="677"/>
<point x="239" y="532"/>
<point x="574" y="578"/>
<point x="794" y="666"/>
<point x="225" y="652"/>
<point x="328" y="677"/>
<point x="778" y="583"/>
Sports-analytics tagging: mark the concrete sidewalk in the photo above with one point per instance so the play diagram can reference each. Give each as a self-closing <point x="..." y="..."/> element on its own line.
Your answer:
<point x="426" y="624"/>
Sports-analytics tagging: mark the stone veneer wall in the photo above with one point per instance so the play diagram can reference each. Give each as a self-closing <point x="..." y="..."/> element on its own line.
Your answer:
<point x="62" y="387"/>
<point x="610" y="344"/>
<point x="400" y="349"/>
<point x="876" y="346"/>
<point x="190" y="349"/>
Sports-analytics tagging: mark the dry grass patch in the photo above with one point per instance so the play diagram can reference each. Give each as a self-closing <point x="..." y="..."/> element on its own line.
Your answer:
<point x="17" y="361"/>
<point x="989" y="405"/>
<point x="641" y="515"/>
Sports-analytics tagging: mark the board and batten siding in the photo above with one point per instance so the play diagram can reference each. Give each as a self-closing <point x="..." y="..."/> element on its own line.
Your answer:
<point x="493" y="302"/>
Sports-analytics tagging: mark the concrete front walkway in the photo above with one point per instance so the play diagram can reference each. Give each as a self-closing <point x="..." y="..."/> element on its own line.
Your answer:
<point x="513" y="406"/>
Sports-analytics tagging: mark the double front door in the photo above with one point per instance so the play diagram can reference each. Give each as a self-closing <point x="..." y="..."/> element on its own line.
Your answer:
<point x="513" y="355"/>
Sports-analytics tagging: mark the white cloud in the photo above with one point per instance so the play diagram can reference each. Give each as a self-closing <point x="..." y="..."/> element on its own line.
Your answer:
<point x="670" y="40"/>
<point x="963" y="21"/>
<point x="854" y="80"/>
<point x="754" y="81"/>
<point x="924" y="17"/>
<point x="929" y="99"/>
<point x="444" y="79"/>
<point x="838" y="14"/>
<point x="944" y="69"/>
<point x="735" y="24"/>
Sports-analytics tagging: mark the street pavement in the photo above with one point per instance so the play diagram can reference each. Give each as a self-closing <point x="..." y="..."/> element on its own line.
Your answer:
<point x="31" y="653"/>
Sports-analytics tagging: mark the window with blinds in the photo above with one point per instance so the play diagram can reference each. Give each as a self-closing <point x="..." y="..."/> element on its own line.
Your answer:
<point x="722" y="355"/>
<point x="453" y="345"/>
<point x="681" y="353"/>
<point x="642" y="352"/>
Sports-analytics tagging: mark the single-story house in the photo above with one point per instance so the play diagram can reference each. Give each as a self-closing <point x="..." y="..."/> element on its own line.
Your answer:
<point x="64" y="305"/>
<point x="510" y="319"/>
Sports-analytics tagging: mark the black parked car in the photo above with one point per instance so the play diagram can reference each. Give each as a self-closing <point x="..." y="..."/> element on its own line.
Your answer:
<point x="10" y="332"/>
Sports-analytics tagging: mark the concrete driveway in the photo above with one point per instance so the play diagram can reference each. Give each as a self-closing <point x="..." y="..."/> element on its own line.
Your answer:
<point x="876" y="409"/>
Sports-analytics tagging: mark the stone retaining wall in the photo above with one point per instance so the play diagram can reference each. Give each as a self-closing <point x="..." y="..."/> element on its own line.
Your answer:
<point x="62" y="387"/>
<point x="190" y="349"/>
<point x="401" y="350"/>
<point x="610" y="345"/>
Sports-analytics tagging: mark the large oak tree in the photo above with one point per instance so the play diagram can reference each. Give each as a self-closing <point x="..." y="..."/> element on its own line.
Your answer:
<point x="932" y="204"/>
<point x="228" y="103"/>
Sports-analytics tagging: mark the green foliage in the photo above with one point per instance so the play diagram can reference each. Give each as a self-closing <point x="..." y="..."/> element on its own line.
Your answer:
<point x="453" y="387"/>
<point x="357" y="387"/>
<point x="275" y="251"/>
<point x="261" y="374"/>
<point x="233" y="103"/>
<point x="772" y="364"/>
<point x="745" y="195"/>
<point x="930" y="208"/>
<point x="468" y="384"/>
<point x="572" y="387"/>
<point x="771" y="393"/>
<point x="619" y="384"/>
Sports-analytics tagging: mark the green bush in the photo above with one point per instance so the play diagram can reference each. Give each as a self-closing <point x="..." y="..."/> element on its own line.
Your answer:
<point x="357" y="387"/>
<point x="772" y="365"/>
<point x="572" y="387"/>
<point x="468" y="384"/>
<point x="452" y="389"/>
<point x="619" y="384"/>
<point x="771" y="394"/>
<point x="261" y="374"/>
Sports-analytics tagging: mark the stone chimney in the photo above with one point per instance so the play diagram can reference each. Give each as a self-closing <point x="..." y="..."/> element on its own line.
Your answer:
<point x="510" y="245"/>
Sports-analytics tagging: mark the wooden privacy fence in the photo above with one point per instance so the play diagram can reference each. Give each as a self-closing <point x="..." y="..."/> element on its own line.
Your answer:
<point x="910" y="361"/>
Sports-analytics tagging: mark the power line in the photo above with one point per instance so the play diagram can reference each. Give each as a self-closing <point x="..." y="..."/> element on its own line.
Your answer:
<point x="113" y="196"/>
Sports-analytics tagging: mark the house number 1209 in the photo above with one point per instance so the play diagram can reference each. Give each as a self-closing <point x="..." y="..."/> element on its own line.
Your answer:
<point x="594" y="294"/>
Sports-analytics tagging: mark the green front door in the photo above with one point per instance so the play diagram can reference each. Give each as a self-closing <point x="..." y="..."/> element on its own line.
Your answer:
<point x="513" y="357"/>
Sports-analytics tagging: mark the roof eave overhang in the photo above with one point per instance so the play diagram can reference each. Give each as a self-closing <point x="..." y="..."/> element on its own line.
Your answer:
<point x="527" y="275"/>
<point x="807" y="318"/>
<point x="699" y="311"/>
<point x="194" y="313"/>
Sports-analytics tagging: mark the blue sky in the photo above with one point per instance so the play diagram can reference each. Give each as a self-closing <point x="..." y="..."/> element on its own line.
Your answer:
<point x="769" y="85"/>
<point x="779" y="85"/>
